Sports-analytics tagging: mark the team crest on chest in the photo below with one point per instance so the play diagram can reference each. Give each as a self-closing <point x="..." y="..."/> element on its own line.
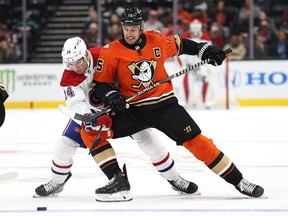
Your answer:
<point x="143" y="72"/>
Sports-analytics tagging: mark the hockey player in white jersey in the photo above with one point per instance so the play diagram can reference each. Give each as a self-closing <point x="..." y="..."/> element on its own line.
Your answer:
<point x="76" y="81"/>
<point x="198" y="88"/>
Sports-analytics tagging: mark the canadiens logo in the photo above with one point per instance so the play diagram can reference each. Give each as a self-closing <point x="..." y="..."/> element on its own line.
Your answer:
<point x="77" y="130"/>
<point x="143" y="72"/>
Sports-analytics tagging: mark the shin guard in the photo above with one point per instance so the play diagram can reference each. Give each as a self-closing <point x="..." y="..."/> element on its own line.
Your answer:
<point x="204" y="149"/>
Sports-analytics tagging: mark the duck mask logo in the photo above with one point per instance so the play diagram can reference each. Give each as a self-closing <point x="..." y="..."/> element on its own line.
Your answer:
<point x="143" y="72"/>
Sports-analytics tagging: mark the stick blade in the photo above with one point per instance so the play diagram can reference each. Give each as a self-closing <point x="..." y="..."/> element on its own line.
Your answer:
<point x="66" y="111"/>
<point x="73" y="115"/>
<point x="8" y="176"/>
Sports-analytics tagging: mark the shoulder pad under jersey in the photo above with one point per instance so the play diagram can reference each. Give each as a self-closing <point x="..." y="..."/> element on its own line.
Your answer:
<point x="70" y="78"/>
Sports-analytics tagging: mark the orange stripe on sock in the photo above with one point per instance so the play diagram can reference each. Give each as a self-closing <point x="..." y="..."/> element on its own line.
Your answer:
<point x="102" y="168"/>
<point x="228" y="171"/>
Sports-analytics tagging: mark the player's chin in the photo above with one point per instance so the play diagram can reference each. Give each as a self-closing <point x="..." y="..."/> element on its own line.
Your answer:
<point x="130" y="41"/>
<point x="79" y="71"/>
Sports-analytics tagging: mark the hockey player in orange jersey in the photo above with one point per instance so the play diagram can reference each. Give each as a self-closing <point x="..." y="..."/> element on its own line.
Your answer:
<point x="76" y="81"/>
<point x="136" y="61"/>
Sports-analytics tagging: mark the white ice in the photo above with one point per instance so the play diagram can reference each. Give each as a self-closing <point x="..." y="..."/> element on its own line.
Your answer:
<point x="256" y="139"/>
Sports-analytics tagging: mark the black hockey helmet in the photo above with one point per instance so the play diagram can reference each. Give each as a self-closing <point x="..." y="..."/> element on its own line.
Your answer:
<point x="132" y="17"/>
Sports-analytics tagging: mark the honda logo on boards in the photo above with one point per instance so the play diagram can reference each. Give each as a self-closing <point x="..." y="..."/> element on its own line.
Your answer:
<point x="238" y="78"/>
<point x="266" y="78"/>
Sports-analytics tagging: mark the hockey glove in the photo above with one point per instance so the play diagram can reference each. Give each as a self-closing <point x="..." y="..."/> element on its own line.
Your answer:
<point x="102" y="120"/>
<point x="215" y="54"/>
<point x="3" y="93"/>
<point x="115" y="100"/>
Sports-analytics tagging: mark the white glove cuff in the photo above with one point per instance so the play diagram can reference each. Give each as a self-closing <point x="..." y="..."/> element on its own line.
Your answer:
<point x="202" y="50"/>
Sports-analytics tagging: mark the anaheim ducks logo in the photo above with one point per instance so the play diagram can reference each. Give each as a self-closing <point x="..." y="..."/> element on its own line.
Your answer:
<point x="143" y="72"/>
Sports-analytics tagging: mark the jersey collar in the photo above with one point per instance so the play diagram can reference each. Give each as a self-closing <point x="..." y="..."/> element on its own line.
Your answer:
<point x="138" y="46"/>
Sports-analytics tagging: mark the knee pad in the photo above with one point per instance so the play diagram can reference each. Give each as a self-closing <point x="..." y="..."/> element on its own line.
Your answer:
<point x="150" y="144"/>
<point x="202" y="148"/>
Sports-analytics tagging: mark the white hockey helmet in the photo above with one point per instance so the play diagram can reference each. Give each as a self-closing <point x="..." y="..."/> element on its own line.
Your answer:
<point x="196" y="29"/>
<point x="73" y="50"/>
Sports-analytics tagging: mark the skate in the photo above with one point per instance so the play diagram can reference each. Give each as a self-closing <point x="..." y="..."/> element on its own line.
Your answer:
<point x="182" y="186"/>
<point x="249" y="189"/>
<point x="50" y="189"/>
<point x="117" y="189"/>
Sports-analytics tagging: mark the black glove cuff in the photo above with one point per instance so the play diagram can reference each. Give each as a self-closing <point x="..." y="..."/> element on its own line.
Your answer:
<point x="107" y="94"/>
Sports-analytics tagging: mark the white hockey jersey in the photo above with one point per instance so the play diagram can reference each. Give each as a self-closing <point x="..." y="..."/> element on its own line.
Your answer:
<point x="76" y="87"/>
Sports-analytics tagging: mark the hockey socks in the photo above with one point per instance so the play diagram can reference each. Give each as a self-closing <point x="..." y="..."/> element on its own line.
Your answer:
<point x="106" y="159"/>
<point x="204" y="150"/>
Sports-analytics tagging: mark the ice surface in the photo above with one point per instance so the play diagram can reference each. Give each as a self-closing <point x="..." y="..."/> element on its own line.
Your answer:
<point x="256" y="139"/>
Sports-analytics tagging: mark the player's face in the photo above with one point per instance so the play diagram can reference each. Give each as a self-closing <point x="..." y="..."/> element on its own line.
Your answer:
<point x="131" y="34"/>
<point x="78" y="66"/>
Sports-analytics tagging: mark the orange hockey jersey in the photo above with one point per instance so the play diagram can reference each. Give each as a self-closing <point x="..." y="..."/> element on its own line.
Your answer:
<point x="136" y="69"/>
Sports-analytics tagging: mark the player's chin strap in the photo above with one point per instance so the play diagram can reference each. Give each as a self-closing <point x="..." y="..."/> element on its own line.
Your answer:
<point x="91" y="117"/>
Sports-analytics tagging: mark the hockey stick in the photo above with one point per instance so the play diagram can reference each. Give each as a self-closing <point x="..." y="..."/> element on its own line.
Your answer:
<point x="91" y="117"/>
<point x="8" y="176"/>
<point x="97" y="140"/>
<point x="71" y="113"/>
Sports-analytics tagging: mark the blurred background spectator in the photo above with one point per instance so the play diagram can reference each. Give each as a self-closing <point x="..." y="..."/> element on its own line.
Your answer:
<point x="92" y="17"/>
<point x="10" y="51"/>
<point x="236" y="44"/>
<point x="216" y="35"/>
<point x="114" y="29"/>
<point x="91" y="36"/>
<point x="31" y="30"/>
<point x="260" y="48"/>
<point x="152" y="22"/>
<point x="279" y="46"/>
<point x="200" y="14"/>
<point x="7" y="52"/>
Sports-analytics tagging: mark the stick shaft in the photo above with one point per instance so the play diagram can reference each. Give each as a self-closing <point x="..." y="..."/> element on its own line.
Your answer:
<point x="149" y="88"/>
<point x="97" y="139"/>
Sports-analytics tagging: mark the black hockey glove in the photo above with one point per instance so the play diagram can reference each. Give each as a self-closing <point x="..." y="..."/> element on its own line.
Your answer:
<point x="215" y="54"/>
<point x="3" y="93"/>
<point x="115" y="100"/>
